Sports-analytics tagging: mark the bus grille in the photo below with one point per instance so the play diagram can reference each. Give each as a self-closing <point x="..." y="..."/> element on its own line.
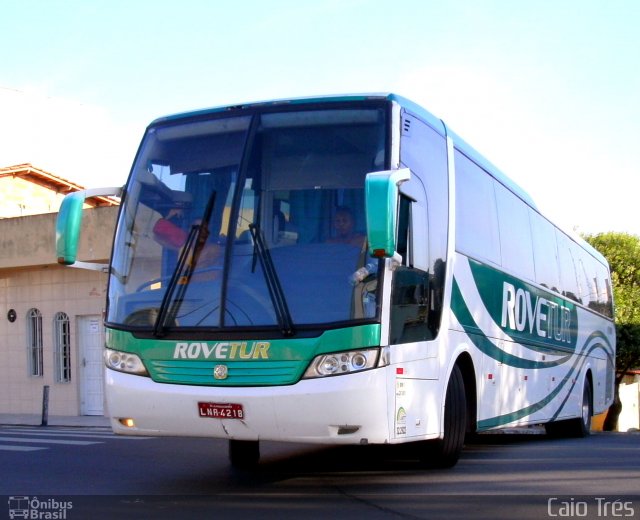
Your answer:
<point x="240" y="373"/>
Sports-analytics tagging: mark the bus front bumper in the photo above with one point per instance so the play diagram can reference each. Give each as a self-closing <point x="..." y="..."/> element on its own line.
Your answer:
<point x="348" y="409"/>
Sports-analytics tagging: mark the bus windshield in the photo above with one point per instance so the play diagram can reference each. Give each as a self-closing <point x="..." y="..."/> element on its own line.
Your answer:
<point x="252" y="220"/>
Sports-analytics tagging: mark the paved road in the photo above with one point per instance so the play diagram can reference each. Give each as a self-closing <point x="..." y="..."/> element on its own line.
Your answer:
<point x="499" y="476"/>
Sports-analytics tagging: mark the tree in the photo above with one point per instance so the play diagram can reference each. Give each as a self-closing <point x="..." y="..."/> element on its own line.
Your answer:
<point x="622" y="251"/>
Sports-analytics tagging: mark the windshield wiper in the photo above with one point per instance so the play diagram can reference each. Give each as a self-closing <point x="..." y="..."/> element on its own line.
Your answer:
<point x="196" y="240"/>
<point x="273" y="282"/>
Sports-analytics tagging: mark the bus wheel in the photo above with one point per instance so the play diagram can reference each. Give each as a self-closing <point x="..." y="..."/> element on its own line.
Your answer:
<point x="244" y="454"/>
<point x="583" y="423"/>
<point x="444" y="453"/>
<point x="578" y="427"/>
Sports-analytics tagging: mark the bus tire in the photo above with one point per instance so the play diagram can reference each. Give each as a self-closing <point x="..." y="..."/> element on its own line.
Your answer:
<point x="244" y="454"/>
<point x="445" y="452"/>
<point x="580" y="426"/>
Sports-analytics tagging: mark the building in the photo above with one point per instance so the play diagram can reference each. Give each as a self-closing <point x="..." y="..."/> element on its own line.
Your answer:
<point x="51" y="331"/>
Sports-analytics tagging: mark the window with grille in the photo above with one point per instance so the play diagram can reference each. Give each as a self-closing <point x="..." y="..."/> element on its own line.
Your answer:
<point x="34" y="345"/>
<point x="62" y="347"/>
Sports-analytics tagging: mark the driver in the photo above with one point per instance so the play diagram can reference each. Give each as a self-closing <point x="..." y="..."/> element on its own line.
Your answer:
<point x="344" y="224"/>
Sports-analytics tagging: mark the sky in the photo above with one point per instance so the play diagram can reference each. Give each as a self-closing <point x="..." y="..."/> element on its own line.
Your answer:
<point x="547" y="90"/>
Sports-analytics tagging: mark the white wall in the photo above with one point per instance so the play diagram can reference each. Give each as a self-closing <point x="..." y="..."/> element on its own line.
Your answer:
<point x="630" y="415"/>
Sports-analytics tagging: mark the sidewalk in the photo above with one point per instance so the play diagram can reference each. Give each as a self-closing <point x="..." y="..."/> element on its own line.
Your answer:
<point x="88" y="421"/>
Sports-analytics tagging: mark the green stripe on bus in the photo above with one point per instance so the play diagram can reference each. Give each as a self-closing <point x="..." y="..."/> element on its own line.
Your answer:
<point x="505" y="419"/>
<point x="484" y="344"/>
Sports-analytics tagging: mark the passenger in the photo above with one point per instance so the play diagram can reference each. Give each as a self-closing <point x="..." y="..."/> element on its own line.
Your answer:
<point x="344" y="224"/>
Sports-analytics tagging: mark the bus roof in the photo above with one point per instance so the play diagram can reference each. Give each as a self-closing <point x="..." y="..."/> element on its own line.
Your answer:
<point x="272" y="103"/>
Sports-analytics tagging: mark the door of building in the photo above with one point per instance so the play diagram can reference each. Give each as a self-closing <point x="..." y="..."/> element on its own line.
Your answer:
<point x="90" y="347"/>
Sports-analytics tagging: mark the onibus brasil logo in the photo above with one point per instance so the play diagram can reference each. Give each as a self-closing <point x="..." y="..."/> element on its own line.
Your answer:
<point x="38" y="509"/>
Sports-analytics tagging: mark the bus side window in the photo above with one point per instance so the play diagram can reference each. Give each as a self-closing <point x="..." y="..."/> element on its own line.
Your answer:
<point x="568" y="273"/>
<point x="410" y="292"/>
<point x="404" y="241"/>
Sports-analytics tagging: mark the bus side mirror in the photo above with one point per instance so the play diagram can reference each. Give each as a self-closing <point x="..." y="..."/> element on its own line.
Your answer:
<point x="69" y="224"/>
<point x="381" y="200"/>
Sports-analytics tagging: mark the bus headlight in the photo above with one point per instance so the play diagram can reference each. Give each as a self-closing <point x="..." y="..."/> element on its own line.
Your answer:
<point x="341" y="363"/>
<point x="124" y="362"/>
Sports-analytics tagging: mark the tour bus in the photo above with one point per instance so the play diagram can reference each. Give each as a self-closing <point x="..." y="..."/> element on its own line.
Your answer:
<point x="341" y="270"/>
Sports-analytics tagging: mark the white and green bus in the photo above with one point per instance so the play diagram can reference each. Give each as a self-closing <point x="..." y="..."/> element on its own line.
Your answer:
<point x="341" y="270"/>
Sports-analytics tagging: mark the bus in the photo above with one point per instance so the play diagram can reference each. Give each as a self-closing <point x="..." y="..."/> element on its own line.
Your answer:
<point x="341" y="270"/>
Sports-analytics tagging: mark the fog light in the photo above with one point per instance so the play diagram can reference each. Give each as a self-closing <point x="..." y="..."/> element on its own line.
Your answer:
<point x="127" y="422"/>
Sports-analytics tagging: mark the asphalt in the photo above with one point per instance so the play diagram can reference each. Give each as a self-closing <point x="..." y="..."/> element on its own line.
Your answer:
<point x="90" y="421"/>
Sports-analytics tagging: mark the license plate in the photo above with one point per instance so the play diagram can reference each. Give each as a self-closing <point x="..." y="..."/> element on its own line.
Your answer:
<point x="221" y="410"/>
